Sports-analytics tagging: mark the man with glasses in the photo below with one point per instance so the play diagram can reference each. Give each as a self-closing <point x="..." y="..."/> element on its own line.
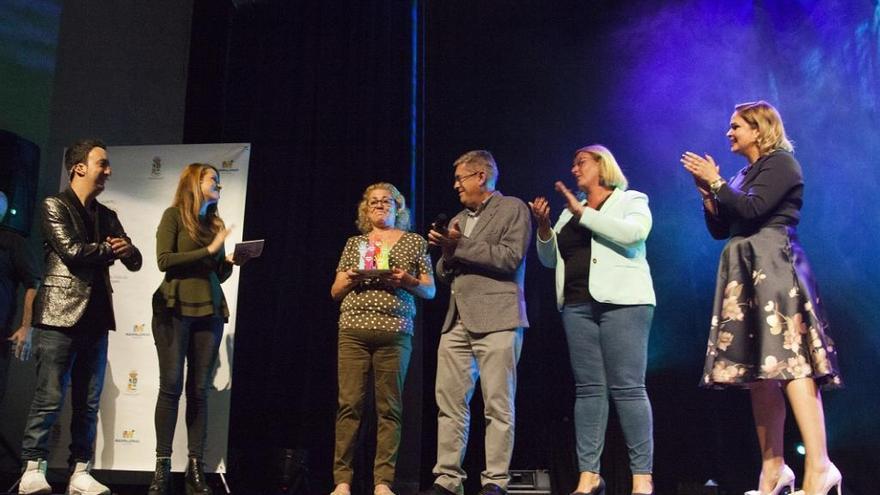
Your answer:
<point x="483" y="260"/>
<point x="73" y="312"/>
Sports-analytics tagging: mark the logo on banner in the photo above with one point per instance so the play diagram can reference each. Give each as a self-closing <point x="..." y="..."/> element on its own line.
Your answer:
<point x="228" y="166"/>
<point x="156" y="172"/>
<point x="131" y="388"/>
<point x="128" y="436"/>
<point x="138" y="330"/>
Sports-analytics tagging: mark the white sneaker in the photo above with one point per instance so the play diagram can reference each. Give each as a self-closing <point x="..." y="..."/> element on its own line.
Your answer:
<point x="33" y="480"/>
<point x="82" y="483"/>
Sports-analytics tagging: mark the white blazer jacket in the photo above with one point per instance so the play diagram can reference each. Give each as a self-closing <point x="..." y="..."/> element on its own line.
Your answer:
<point x="619" y="272"/>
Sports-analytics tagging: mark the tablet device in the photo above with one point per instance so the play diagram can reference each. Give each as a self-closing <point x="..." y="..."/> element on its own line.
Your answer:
<point x="248" y="249"/>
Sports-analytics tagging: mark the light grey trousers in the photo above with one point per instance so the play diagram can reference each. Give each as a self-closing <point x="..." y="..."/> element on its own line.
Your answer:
<point x="462" y="358"/>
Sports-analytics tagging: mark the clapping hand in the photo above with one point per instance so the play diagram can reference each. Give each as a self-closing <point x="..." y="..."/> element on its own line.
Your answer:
<point x="573" y="204"/>
<point x="447" y="241"/>
<point x="703" y="168"/>
<point x="541" y="212"/>
<point x="218" y="240"/>
<point x="120" y="246"/>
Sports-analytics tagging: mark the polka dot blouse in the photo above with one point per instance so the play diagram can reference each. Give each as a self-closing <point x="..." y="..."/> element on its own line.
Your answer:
<point x="374" y="305"/>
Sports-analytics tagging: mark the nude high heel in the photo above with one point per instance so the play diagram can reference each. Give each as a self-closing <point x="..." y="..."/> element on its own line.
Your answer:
<point x="597" y="490"/>
<point x="833" y="478"/>
<point x="784" y="485"/>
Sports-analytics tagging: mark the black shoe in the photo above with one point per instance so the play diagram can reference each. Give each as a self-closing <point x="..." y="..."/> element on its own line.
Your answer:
<point x="492" y="489"/>
<point x="437" y="490"/>
<point x="195" y="478"/>
<point x="161" y="484"/>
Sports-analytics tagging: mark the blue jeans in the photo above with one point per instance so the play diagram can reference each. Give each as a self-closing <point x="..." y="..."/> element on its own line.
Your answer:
<point x="608" y="348"/>
<point x="77" y="357"/>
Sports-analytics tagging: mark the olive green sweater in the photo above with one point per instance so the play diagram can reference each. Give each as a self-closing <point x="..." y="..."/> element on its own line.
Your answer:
<point x="192" y="275"/>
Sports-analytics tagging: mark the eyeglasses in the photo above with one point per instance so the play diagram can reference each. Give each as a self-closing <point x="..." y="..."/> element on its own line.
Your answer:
<point x="378" y="203"/>
<point x="460" y="180"/>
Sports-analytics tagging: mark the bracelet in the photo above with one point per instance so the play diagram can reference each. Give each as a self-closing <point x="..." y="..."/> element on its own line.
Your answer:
<point x="716" y="185"/>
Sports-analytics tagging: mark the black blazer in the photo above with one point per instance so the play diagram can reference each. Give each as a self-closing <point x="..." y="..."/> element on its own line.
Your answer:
<point x="72" y="263"/>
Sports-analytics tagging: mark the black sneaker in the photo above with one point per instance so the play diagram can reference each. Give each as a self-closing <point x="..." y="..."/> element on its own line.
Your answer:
<point x="492" y="489"/>
<point x="437" y="490"/>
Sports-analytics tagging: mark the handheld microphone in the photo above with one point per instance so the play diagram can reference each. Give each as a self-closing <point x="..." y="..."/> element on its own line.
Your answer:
<point x="440" y="223"/>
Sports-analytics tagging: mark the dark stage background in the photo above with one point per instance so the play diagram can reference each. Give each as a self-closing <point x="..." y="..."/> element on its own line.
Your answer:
<point x="325" y="93"/>
<point x="335" y="95"/>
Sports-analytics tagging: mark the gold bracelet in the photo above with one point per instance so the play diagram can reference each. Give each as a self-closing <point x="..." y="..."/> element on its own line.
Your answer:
<point x="716" y="185"/>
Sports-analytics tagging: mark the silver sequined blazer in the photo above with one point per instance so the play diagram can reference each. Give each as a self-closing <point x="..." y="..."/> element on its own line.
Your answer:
<point x="71" y="261"/>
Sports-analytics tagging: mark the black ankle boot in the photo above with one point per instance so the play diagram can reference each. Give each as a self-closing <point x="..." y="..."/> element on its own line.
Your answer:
<point x="195" y="478"/>
<point x="161" y="484"/>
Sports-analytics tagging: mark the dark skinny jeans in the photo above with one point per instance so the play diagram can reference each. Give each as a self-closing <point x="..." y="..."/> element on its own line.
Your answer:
<point x="196" y="341"/>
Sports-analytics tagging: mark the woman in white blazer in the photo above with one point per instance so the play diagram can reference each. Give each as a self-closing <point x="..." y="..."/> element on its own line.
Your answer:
<point x="605" y="294"/>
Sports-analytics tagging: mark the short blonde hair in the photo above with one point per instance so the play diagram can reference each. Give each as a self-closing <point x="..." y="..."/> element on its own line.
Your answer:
<point x="401" y="220"/>
<point x="483" y="161"/>
<point x="762" y="117"/>
<point x="610" y="174"/>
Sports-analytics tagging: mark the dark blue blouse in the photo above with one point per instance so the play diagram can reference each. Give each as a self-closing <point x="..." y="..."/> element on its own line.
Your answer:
<point x="768" y="193"/>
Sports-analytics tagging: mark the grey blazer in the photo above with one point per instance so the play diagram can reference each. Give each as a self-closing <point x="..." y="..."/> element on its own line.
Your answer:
<point x="73" y="264"/>
<point x="487" y="272"/>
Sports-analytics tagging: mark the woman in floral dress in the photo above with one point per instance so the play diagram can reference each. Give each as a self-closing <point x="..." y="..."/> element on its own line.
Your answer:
<point x="768" y="331"/>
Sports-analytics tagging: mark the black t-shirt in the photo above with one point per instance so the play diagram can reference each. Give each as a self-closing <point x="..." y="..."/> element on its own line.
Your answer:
<point x="17" y="267"/>
<point x="574" y="246"/>
<point x="98" y="310"/>
<point x="574" y="243"/>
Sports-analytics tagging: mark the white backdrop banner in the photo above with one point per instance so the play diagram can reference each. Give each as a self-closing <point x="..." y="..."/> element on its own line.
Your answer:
<point x="142" y="186"/>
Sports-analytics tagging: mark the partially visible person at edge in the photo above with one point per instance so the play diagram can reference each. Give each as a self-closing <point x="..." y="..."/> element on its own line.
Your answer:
<point x="189" y="311"/>
<point x="17" y="269"/>
<point x="605" y="293"/>
<point x="376" y="327"/>
<point x="73" y="312"/>
<point x="483" y="261"/>
<point x="768" y="332"/>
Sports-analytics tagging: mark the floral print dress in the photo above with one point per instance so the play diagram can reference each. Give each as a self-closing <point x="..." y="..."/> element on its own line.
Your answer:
<point x="767" y="321"/>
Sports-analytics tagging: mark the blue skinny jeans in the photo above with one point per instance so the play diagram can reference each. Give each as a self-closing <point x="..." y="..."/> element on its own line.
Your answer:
<point x="608" y="349"/>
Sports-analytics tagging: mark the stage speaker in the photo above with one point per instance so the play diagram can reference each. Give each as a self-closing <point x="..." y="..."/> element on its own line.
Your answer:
<point x="531" y="481"/>
<point x="19" y="172"/>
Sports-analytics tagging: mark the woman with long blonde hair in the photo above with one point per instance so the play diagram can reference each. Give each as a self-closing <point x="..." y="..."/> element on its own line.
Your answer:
<point x="189" y="311"/>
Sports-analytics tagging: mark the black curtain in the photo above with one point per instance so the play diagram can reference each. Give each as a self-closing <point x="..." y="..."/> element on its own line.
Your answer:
<point x="323" y="91"/>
